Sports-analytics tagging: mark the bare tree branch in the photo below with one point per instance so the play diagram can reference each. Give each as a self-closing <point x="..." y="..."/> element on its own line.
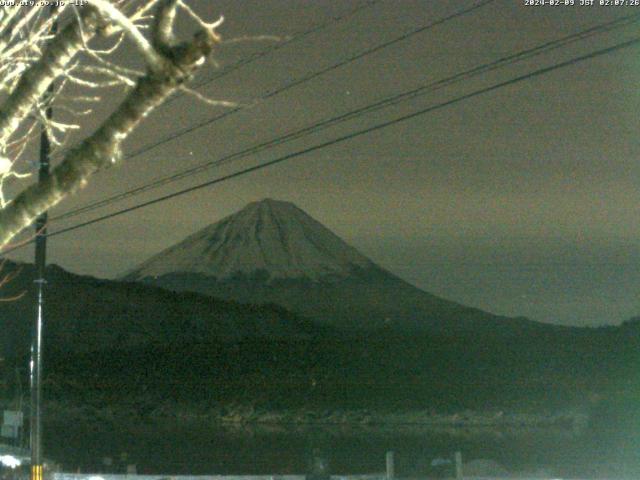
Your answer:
<point x="35" y="81"/>
<point x="108" y="10"/>
<point x="171" y="65"/>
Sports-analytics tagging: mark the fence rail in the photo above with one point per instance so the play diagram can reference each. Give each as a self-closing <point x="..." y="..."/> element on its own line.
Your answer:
<point x="100" y="476"/>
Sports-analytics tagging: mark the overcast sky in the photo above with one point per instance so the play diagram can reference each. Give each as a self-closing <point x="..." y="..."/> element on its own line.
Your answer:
<point x="523" y="201"/>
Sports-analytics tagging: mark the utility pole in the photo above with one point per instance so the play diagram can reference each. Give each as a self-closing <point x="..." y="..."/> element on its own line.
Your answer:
<point x="36" y="332"/>
<point x="35" y="417"/>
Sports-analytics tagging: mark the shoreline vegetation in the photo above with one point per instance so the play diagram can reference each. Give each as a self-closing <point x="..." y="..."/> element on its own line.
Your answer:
<point x="239" y="416"/>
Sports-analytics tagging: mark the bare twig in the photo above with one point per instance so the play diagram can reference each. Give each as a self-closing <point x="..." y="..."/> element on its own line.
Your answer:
<point x="170" y="65"/>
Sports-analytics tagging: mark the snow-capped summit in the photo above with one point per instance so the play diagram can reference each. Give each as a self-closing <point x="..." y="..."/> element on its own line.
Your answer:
<point x="269" y="236"/>
<point x="273" y="252"/>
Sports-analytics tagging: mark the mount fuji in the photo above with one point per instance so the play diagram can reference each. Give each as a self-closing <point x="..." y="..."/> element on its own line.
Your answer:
<point x="273" y="252"/>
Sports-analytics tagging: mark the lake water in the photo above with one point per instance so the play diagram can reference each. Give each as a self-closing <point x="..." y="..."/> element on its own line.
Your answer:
<point x="179" y="448"/>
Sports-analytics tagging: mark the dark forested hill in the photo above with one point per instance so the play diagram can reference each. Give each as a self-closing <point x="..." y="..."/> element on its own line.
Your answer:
<point x="86" y="314"/>
<point x="109" y="343"/>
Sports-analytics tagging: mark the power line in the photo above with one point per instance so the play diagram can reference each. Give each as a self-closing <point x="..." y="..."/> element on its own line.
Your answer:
<point x="289" y="85"/>
<point x="350" y="136"/>
<point x="263" y="53"/>
<point x="256" y="56"/>
<point x="392" y="100"/>
<point x="382" y="46"/>
<point x="312" y="76"/>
